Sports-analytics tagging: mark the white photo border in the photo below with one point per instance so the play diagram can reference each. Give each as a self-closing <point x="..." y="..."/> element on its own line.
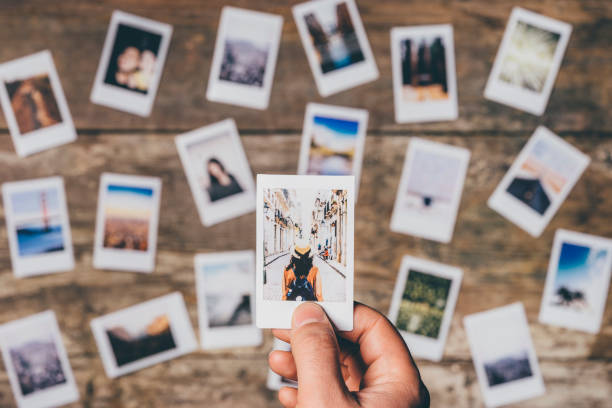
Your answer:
<point x="232" y="336"/>
<point x="126" y="259"/>
<point x="40" y="264"/>
<point x="240" y="94"/>
<point x="124" y="99"/>
<point x="570" y="319"/>
<point x="182" y="332"/>
<point x="277" y="313"/>
<point x="520" y="213"/>
<point x="406" y="223"/>
<point x="56" y="395"/>
<point x="229" y="207"/>
<point x="425" y="111"/>
<point x="422" y="346"/>
<point x="520" y="98"/>
<point x="336" y="112"/>
<point x="344" y="78"/>
<point x="46" y="137"/>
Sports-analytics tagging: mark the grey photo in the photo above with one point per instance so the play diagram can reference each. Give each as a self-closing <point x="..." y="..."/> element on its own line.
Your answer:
<point x="508" y="368"/>
<point x="244" y="61"/>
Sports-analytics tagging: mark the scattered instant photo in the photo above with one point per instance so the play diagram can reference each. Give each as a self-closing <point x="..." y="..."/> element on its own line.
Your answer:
<point x="226" y="299"/>
<point x="34" y="104"/>
<point x="430" y="190"/>
<point x="423" y="303"/>
<point x="144" y="335"/>
<point x="36" y="362"/>
<point x="336" y="44"/>
<point x="503" y="354"/>
<point x="275" y="382"/>
<point x="38" y="227"/>
<point x="424" y="78"/>
<point x="218" y="172"/>
<point x="528" y="61"/>
<point x="538" y="182"/>
<point x="131" y="64"/>
<point x="577" y="281"/>
<point x="245" y="58"/>
<point x="332" y="141"/>
<point x="305" y="233"/>
<point x="126" y="223"/>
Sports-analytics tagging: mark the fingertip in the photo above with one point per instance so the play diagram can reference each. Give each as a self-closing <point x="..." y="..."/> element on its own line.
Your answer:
<point x="308" y="312"/>
<point x="282" y="334"/>
<point x="288" y="397"/>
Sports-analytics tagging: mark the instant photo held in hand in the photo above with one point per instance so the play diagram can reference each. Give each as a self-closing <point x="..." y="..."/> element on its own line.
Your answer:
<point x="245" y="58"/>
<point x="538" y="182"/>
<point x="424" y="78"/>
<point x="275" y="382"/>
<point x="143" y="335"/>
<point x="36" y="362"/>
<point x="217" y="171"/>
<point x="503" y="354"/>
<point x="37" y="226"/>
<point x="336" y="44"/>
<point x="126" y="223"/>
<point x="332" y="141"/>
<point x="577" y="281"/>
<point x="305" y="233"/>
<point x="34" y="104"/>
<point x="226" y="299"/>
<point x="423" y="304"/>
<point x="131" y="64"/>
<point x="430" y="190"/>
<point x="528" y="61"/>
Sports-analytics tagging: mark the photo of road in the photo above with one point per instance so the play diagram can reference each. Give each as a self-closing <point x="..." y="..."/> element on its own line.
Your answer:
<point x="314" y="222"/>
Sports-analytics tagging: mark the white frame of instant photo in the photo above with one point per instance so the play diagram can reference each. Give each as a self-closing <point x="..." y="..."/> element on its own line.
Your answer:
<point x="41" y="264"/>
<point x="56" y="395"/>
<point x="227" y="208"/>
<point x="46" y="137"/>
<point x="229" y="336"/>
<point x="517" y="97"/>
<point x="403" y="223"/>
<point x="336" y="112"/>
<point x="124" y="99"/>
<point x="127" y="259"/>
<point x="182" y="332"/>
<point x="520" y="213"/>
<point x="422" y="346"/>
<point x="426" y="111"/>
<point x="277" y="313"/>
<point x="568" y="318"/>
<point x="344" y="78"/>
<point x="517" y="390"/>
<point x="274" y="381"/>
<point x="240" y="94"/>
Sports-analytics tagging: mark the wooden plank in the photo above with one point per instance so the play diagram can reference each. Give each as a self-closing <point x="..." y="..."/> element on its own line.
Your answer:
<point x="74" y="31"/>
<point x="502" y="264"/>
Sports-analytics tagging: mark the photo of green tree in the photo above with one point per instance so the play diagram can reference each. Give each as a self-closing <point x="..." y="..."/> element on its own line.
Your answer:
<point x="423" y="302"/>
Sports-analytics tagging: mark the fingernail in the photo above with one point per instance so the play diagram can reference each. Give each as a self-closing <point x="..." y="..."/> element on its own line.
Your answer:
<point x="308" y="313"/>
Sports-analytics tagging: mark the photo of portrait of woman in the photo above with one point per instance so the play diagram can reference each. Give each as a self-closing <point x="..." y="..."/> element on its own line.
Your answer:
<point x="222" y="184"/>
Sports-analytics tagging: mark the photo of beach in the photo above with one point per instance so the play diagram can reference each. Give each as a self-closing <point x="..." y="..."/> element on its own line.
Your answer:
<point x="529" y="57"/>
<point x="38" y="221"/>
<point x="423" y="302"/>
<point x="140" y="337"/>
<point x="333" y="35"/>
<point x="33" y="103"/>
<point x="332" y="146"/>
<point x="127" y="214"/>
<point x="228" y="287"/>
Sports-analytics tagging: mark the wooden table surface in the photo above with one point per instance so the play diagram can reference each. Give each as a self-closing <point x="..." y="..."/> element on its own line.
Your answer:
<point x="502" y="263"/>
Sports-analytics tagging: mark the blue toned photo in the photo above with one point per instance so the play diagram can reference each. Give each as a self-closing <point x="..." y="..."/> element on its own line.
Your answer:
<point x="332" y="146"/>
<point x="38" y="221"/>
<point x="580" y="271"/>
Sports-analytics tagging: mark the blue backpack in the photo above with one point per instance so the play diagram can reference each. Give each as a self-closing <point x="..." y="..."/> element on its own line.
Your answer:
<point x="301" y="289"/>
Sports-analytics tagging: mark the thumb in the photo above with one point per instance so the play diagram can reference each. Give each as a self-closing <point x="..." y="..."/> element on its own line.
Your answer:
<point x="315" y="351"/>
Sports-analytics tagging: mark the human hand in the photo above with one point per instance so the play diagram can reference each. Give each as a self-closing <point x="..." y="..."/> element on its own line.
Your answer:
<point x="369" y="366"/>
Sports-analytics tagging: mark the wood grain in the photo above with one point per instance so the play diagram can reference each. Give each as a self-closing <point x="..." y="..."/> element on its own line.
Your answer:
<point x="501" y="263"/>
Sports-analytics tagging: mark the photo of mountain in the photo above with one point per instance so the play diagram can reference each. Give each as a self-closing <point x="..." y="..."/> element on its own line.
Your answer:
<point x="507" y="369"/>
